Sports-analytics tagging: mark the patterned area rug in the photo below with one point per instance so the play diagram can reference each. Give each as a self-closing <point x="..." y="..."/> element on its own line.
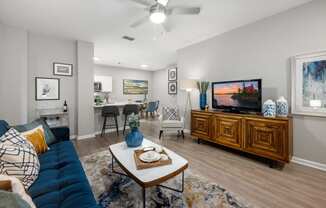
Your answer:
<point x="113" y="191"/>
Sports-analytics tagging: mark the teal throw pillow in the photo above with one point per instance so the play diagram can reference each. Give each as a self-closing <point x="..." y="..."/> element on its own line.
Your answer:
<point x="49" y="136"/>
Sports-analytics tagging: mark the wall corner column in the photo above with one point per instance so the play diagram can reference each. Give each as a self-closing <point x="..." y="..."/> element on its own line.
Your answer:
<point x="85" y="90"/>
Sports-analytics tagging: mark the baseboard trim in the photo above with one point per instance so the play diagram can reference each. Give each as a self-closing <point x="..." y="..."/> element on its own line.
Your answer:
<point x="88" y="136"/>
<point x="85" y="136"/>
<point x="309" y="163"/>
<point x="111" y="130"/>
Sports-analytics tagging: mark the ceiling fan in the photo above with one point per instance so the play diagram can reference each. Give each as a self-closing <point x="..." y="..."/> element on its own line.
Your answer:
<point x="159" y="10"/>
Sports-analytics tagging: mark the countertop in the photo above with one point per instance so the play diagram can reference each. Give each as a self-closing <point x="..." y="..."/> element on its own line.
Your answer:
<point x="117" y="104"/>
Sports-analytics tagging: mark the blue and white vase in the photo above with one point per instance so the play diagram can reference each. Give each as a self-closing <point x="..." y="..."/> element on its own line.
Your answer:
<point x="282" y="107"/>
<point x="134" y="138"/>
<point x="269" y="109"/>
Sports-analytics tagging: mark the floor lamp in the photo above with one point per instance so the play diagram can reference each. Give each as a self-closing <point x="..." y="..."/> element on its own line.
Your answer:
<point x="187" y="85"/>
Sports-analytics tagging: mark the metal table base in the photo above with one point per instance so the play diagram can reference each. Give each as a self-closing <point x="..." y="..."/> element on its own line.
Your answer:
<point x="144" y="189"/>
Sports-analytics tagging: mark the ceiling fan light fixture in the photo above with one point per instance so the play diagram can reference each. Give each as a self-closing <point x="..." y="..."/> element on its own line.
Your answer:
<point x="158" y="17"/>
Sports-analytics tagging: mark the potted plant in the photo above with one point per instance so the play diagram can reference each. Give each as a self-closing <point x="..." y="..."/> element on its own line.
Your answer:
<point x="135" y="137"/>
<point x="202" y="87"/>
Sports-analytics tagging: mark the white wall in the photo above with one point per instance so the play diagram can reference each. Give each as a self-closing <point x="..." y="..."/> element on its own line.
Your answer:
<point x="13" y="74"/>
<point x="118" y="74"/>
<point x="42" y="52"/>
<point x="262" y="50"/>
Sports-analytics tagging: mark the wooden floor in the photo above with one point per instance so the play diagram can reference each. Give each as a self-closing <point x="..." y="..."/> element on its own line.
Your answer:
<point x="246" y="176"/>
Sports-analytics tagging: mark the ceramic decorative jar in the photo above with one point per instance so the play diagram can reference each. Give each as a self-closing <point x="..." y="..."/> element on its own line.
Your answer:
<point x="135" y="137"/>
<point x="269" y="109"/>
<point x="282" y="107"/>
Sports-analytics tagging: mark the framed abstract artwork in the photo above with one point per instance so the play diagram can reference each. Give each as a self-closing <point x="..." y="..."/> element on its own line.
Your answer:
<point x="172" y="88"/>
<point x="47" y="88"/>
<point x="309" y="84"/>
<point x="135" y="87"/>
<point x="61" y="69"/>
<point x="173" y="74"/>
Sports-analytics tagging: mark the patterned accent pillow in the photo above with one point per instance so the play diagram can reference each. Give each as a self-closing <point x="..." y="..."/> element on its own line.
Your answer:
<point x="18" y="158"/>
<point x="13" y="138"/>
<point x="170" y="113"/>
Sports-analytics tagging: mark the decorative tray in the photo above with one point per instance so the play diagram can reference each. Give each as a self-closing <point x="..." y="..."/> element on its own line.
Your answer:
<point x="140" y="165"/>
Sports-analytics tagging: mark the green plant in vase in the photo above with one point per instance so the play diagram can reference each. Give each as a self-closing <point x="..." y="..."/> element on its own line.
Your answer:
<point x="202" y="86"/>
<point x="133" y="121"/>
<point x="98" y="100"/>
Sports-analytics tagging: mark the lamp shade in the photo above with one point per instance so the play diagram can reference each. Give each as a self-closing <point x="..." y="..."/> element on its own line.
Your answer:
<point x="188" y="84"/>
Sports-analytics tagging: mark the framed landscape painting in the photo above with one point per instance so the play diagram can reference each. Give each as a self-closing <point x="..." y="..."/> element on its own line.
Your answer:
<point x="309" y="84"/>
<point x="135" y="87"/>
<point x="47" y="89"/>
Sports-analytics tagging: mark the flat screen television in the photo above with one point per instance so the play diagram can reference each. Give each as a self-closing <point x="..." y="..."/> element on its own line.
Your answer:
<point x="237" y="96"/>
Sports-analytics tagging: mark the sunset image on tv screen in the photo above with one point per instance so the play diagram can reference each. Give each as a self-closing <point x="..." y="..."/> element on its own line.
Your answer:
<point x="237" y="94"/>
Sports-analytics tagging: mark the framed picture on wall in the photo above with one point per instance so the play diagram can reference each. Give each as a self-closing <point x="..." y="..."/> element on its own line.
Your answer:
<point x="61" y="69"/>
<point x="172" y="88"/>
<point x="309" y="84"/>
<point x="173" y="74"/>
<point x="47" y="88"/>
<point x="135" y="87"/>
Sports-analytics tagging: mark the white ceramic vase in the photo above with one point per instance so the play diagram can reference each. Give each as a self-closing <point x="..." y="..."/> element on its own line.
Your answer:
<point x="269" y="108"/>
<point x="282" y="107"/>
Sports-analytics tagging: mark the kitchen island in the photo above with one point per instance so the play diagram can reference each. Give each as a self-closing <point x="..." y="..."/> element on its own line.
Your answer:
<point x="98" y="119"/>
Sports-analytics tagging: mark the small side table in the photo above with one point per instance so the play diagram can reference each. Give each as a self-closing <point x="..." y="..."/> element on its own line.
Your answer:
<point x="54" y="117"/>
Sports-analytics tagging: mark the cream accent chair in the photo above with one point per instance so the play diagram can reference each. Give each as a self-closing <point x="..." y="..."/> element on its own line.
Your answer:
<point x="167" y="126"/>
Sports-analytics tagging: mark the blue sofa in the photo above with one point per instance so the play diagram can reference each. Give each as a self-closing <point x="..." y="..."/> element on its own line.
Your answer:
<point x="62" y="181"/>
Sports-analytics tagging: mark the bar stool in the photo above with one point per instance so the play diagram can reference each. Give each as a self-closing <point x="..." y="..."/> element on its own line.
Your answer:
<point x="128" y="110"/>
<point x="110" y="112"/>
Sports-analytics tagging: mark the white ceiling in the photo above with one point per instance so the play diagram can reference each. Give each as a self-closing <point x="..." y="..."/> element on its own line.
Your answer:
<point x="104" y="22"/>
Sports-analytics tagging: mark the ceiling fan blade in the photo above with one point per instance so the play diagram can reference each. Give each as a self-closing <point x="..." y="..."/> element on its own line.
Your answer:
<point x="140" y="21"/>
<point x="142" y="2"/>
<point x="184" y="10"/>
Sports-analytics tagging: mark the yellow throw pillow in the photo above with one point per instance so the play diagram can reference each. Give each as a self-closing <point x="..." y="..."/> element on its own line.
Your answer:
<point x="37" y="138"/>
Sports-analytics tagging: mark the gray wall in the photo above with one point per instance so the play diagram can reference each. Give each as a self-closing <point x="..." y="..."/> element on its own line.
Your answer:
<point x="85" y="84"/>
<point x="13" y="74"/>
<point x="262" y="50"/>
<point x="118" y="74"/>
<point x="42" y="52"/>
<point x="160" y="89"/>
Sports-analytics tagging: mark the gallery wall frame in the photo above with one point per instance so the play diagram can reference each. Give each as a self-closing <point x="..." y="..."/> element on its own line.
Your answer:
<point x="47" y="88"/>
<point x="172" y="88"/>
<point x="173" y="74"/>
<point x="62" y="69"/>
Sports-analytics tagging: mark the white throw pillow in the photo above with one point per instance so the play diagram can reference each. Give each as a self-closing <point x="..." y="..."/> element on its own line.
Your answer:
<point x="18" y="158"/>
